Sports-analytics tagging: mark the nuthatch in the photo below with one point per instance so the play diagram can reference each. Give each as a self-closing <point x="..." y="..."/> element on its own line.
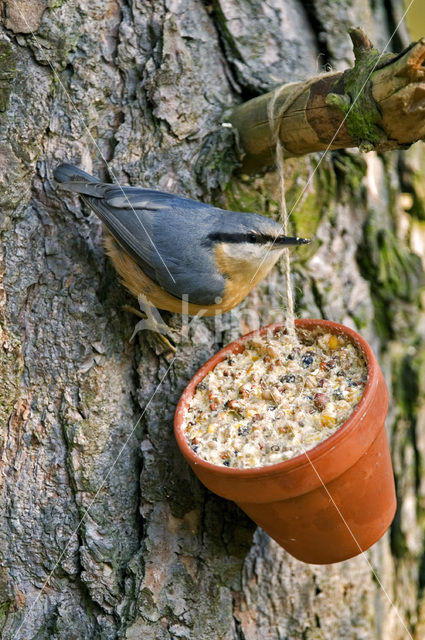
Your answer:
<point x="171" y="248"/>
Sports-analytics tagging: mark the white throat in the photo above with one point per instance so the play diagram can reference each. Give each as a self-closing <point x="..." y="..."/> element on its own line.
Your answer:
<point x="253" y="254"/>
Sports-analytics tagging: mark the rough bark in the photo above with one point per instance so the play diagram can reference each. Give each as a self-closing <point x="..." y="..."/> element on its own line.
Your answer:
<point x="157" y="556"/>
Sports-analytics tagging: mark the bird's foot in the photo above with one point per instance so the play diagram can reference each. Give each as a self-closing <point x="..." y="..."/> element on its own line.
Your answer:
<point x="152" y="321"/>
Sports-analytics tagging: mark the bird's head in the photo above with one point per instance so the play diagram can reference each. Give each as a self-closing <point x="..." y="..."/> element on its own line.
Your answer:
<point x="246" y="246"/>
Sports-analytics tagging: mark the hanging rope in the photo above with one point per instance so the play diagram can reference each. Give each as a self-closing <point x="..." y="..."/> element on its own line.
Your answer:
<point x="275" y="122"/>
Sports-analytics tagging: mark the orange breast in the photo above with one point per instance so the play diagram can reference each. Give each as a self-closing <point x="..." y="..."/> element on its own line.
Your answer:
<point x="242" y="275"/>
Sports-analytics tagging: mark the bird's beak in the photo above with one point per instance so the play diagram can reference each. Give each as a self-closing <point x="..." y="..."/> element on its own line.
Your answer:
<point x="288" y="240"/>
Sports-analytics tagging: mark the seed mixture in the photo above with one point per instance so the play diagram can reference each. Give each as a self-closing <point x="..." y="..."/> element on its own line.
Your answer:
<point x="276" y="399"/>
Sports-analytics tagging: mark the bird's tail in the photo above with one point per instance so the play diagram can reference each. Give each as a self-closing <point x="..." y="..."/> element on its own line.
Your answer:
<point x="70" y="173"/>
<point x="71" y="178"/>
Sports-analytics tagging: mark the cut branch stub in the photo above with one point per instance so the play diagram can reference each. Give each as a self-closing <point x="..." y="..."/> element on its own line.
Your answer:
<point x="378" y="104"/>
<point x="361" y="43"/>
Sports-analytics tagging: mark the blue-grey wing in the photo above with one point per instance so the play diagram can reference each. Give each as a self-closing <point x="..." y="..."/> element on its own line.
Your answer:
<point x="137" y="197"/>
<point x="164" y="234"/>
<point x="191" y="270"/>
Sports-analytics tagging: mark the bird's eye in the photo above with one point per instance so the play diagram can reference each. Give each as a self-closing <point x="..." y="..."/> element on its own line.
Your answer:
<point x="252" y="237"/>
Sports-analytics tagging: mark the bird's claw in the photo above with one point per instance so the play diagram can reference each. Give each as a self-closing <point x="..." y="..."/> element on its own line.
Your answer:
<point x="152" y="323"/>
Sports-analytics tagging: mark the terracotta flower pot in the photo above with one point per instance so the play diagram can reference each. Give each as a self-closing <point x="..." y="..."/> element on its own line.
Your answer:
<point x="330" y="503"/>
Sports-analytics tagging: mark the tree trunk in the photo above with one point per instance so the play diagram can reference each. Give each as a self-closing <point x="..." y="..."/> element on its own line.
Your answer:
<point x="105" y="531"/>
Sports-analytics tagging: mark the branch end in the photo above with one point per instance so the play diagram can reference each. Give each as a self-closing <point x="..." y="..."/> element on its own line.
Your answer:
<point x="361" y="43"/>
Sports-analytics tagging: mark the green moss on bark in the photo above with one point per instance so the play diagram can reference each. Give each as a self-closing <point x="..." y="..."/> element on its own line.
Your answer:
<point x="395" y="271"/>
<point x="362" y="116"/>
<point x="7" y="73"/>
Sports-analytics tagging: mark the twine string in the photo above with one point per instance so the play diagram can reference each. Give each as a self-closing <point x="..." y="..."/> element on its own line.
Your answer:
<point x="290" y="322"/>
<point x="275" y="119"/>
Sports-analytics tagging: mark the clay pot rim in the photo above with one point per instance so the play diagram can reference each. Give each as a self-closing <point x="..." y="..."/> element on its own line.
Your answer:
<point x="303" y="459"/>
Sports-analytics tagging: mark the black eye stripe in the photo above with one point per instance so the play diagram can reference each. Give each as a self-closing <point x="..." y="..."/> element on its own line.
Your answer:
<point x="254" y="238"/>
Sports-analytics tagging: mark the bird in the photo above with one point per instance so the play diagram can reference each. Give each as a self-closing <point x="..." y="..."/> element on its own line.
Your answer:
<point x="180" y="254"/>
